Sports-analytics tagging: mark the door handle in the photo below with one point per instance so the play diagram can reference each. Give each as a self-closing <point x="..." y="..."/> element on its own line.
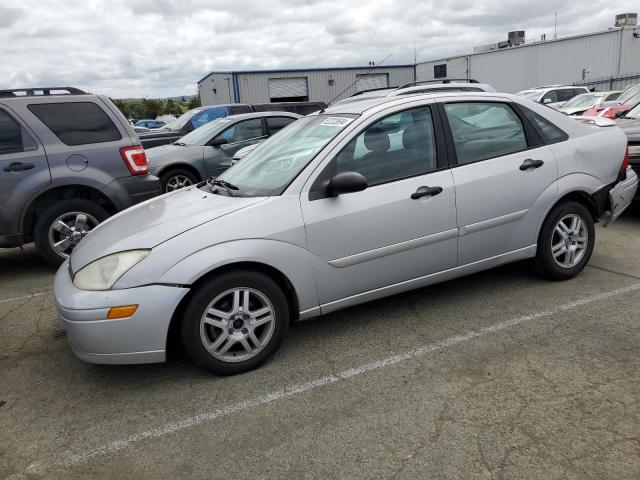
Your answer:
<point x="426" y="192"/>
<point x="18" y="167"/>
<point x="528" y="163"/>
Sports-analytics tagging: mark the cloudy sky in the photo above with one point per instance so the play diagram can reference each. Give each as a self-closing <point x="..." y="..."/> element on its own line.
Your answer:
<point x="162" y="48"/>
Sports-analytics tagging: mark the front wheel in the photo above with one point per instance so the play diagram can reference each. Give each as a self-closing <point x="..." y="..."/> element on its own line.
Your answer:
<point x="566" y="241"/>
<point x="176" y="179"/>
<point x="235" y="322"/>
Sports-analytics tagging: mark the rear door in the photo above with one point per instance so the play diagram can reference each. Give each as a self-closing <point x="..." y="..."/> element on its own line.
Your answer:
<point x="245" y="132"/>
<point x="23" y="169"/>
<point x="504" y="175"/>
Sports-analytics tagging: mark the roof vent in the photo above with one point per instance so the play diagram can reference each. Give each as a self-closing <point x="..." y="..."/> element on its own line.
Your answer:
<point x="626" y="19"/>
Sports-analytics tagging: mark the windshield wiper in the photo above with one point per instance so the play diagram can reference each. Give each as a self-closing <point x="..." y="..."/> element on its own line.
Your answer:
<point x="229" y="187"/>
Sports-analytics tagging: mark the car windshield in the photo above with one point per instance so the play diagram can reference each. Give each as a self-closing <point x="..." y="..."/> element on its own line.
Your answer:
<point x="629" y="95"/>
<point x="182" y="120"/>
<point x="529" y="94"/>
<point x="202" y="135"/>
<point x="271" y="167"/>
<point x="634" y="112"/>
<point x="584" y="100"/>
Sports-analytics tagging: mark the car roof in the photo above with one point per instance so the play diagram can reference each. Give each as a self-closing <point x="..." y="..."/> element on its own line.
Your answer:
<point x="275" y="113"/>
<point x="358" y="108"/>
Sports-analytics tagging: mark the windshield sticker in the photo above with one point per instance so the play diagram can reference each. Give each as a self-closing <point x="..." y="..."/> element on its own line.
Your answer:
<point x="336" y="121"/>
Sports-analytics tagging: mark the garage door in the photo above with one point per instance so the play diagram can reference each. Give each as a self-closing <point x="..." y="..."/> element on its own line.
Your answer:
<point x="372" y="80"/>
<point x="288" y="87"/>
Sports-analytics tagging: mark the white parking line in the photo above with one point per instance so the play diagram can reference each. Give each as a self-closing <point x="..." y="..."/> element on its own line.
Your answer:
<point x="287" y="392"/>
<point x="25" y="297"/>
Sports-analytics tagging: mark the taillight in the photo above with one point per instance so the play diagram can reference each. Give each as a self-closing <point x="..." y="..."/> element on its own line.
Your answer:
<point x="625" y="162"/>
<point x="135" y="159"/>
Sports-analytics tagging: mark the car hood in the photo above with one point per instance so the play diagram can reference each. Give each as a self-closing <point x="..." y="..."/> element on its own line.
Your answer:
<point x="155" y="221"/>
<point x="572" y="110"/>
<point x="170" y="153"/>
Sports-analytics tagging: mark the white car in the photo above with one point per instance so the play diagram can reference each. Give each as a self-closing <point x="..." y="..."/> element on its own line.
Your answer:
<point x="552" y="95"/>
<point x="358" y="202"/>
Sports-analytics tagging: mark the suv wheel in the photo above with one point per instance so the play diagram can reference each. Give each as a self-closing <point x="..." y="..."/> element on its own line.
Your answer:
<point x="61" y="227"/>
<point x="566" y="241"/>
<point x="235" y="322"/>
<point x="177" y="178"/>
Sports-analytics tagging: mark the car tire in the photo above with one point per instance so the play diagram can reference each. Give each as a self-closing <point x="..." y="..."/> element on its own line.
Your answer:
<point x="214" y="318"/>
<point x="46" y="235"/>
<point x="562" y="253"/>
<point x="177" y="178"/>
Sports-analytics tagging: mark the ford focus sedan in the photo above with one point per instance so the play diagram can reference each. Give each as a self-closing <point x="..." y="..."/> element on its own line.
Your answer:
<point x="351" y="204"/>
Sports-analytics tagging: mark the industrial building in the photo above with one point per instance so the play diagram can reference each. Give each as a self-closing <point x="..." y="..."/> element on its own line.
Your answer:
<point x="315" y="85"/>
<point x="606" y="60"/>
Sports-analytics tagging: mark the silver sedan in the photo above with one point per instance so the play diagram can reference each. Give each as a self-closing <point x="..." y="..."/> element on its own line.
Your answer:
<point x="353" y="203"/>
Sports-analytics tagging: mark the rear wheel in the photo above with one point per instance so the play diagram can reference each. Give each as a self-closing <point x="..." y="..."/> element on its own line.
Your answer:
<point x="235" y="322"/>
<point x="61" y="227"/>
<point x="566" y="241"/>
<point x="177" y="178"/>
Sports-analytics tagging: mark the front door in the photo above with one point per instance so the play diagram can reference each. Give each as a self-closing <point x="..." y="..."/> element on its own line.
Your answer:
<point x="23" y="170"/>
<point x="505" y="179"/>
<point x="217" y="158"/>
<point x="402" y="227"/>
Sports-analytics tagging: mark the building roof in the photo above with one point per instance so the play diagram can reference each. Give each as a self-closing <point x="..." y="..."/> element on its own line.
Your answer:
<point x="290" y="70"/>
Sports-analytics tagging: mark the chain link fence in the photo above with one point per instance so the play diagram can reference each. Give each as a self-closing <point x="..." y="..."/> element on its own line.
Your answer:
<point x="615" y="82"/>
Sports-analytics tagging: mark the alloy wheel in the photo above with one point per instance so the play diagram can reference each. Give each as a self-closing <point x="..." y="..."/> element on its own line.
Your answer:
<point x="176" y="182"/>
<point x="68" y="229"/>
<point x="569" y="241"/>
<point x="237" y="324"/>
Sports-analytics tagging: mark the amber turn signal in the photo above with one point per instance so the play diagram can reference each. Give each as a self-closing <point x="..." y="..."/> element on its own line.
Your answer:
<point x="121" y="312"/>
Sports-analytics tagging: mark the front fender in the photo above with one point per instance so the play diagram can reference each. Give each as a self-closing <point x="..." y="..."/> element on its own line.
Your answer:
<point x="291" y="260"/>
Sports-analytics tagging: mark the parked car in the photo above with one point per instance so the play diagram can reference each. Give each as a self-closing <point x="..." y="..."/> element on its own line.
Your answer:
<point x="67" y="162"/>
<point x="414" y="88"/>
<point x="331" y="213"/>
<point x="202" y="115"/>
<point x="552" y="95"/>
<point x="208" y="150"/>
<point x="625" y="102"/>
<point x="166" y="118"/>
<point x="630" y="124"/>
<point x="149" y="124"/>
<point x="583" y="102"/>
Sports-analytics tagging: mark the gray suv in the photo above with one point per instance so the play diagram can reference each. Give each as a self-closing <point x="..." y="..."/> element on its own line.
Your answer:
<point x="68" y="160"/>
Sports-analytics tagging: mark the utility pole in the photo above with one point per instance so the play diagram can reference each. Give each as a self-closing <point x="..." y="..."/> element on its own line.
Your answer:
<point x="555" y="26"/>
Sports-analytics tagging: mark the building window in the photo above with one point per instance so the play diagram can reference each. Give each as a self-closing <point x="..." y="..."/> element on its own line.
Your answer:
<point x="440" y="71"/>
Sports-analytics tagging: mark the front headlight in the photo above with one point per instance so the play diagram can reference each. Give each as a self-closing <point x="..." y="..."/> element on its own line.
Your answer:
<point x="103" y="273"/>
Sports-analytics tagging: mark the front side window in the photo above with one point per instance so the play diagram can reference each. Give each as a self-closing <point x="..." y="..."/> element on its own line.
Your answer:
<point x="242" y="131"/>
<point x="398" y="146"/>
<point x="566" y="94"/>
<point x="76" y="123"/>
<point x="550" y="97"/>
<point x="484" y="130"/>
<point x="208" y="116"/>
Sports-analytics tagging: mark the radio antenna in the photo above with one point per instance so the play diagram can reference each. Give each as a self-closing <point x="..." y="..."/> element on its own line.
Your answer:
<point x="358" y="78"/>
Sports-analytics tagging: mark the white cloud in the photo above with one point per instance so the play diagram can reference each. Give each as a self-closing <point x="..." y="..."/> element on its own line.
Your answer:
<point x="162" y="47"/>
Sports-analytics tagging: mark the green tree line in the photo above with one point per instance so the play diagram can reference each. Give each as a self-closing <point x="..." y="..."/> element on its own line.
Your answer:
<point x="154" y="107"/>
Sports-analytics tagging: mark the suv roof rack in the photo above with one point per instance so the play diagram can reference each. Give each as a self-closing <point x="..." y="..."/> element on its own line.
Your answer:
<point x="439" y="80"/>
<point x="40" y="91"/>
<point x="372" y="90"/>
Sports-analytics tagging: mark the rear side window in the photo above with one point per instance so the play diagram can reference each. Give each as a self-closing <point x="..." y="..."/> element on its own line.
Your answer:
<point x="278" y="123"/>
<point x="77" y="123"/>
<point x="484" y="130"/>
<point x="547" y="130"/>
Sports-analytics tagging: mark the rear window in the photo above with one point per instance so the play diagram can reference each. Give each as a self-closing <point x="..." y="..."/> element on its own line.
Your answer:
<point x="77" y="123"/>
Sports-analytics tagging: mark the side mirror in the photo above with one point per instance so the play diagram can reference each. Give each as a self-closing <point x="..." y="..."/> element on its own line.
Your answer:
<point x="346" y="182"/>
<point x="546" y="100"/>
<point x="216" y="142"/>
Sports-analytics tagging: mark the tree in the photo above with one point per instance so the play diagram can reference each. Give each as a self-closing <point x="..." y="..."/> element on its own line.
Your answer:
<point x="153" y="107"/>
<point x="123" y="107"/>
<point x="194" y="102"/>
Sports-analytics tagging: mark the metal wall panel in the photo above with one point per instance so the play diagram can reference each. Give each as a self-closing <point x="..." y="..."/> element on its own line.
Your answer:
<point x="216" y="89"/>
<point x="552" y="62"/>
